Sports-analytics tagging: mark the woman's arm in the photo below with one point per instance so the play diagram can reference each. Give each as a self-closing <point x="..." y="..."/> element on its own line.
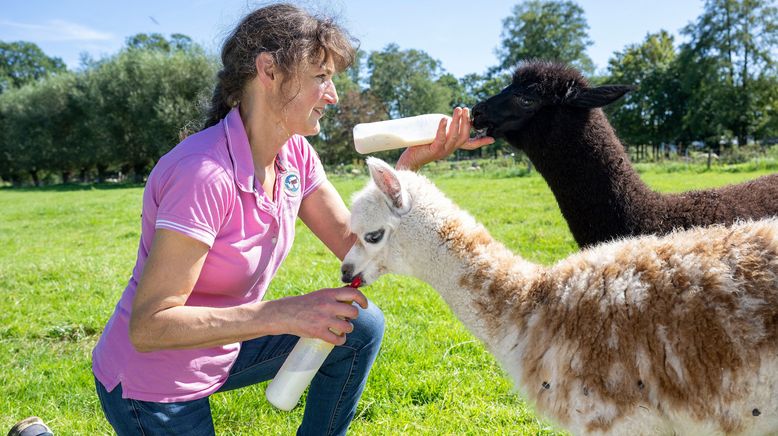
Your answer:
<point x="160" y="319"/>
<point x="324" y="212"/>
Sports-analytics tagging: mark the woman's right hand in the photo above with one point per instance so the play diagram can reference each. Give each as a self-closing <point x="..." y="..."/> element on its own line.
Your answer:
<point x="318" y="314"/>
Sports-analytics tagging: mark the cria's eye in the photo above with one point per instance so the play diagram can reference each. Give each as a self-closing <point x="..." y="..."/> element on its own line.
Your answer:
<point x="374" y="237"/>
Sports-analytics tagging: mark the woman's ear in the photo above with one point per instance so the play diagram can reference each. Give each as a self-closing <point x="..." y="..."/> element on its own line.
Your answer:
<point x="266" y="67"/>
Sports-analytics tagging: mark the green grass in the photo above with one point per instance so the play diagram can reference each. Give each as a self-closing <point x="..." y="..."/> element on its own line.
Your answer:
<point x="68" y="252"/>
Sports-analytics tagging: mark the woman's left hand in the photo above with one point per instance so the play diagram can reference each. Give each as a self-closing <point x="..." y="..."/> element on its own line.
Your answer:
<point x="446" y="142"/>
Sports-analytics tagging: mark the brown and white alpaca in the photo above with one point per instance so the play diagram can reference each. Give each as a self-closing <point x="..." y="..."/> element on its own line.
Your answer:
<point x="651" y="335"/>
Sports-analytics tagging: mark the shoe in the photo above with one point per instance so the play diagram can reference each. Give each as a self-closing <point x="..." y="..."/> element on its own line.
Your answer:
<point x="32" y="426"/>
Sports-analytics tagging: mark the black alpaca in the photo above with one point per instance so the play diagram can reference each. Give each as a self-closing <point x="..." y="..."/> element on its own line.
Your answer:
<point x="550" y="112"/>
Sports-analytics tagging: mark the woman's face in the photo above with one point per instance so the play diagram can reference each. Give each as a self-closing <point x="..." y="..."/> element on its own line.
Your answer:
<point x="315" y="91"/>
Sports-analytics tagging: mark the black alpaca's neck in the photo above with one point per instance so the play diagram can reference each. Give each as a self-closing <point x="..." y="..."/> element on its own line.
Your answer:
<point x="578" y="154"/>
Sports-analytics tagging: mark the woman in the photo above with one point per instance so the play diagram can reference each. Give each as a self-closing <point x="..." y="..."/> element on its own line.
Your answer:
<point x="218" y="219"/>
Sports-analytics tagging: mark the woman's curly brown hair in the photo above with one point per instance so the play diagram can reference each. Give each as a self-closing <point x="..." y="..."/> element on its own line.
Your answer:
<point x="291" y="35"/>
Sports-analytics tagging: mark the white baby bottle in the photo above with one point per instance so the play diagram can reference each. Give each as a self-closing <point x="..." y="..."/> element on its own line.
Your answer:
<point x="285" y="390"/>
<point x="307" y="356"/>
<point x="399" y="133"/>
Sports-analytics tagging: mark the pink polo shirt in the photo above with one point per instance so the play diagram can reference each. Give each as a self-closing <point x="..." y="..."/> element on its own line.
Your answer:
<point x="205" y="188"/>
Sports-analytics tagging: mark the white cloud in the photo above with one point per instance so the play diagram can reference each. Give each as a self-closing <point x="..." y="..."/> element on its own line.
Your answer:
<point x="55" y="30"/>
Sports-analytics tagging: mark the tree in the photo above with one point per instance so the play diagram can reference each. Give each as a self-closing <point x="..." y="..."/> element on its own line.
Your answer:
<point x="766" y="92"/>
<point x="649" y="115"/>
<point x="730" y="55"/>
<point x="24" y="62"/>
<point x="144" y="98"/>
<point x="182" y="42"/>
<point x="555" y="30"/>
<point x="145" y="41"/>
<point x="36" y="128"/>
<point x="156" y="41"/>
<point x="702" y="108"/>
<point x="407" y="83"/>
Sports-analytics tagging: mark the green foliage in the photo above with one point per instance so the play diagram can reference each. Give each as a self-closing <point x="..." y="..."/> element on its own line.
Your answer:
<point x="120" y="113"/>
<point x="646" y="115"/>
<point x="123" y="112"/>
<point x="731" y="70"/>
<point x="38" y="128"/>
<point x="156" y="41"/>
<point x="407" y="81"/>
<point x="24" y="62"/>
<point x="546" y="29"/>
<point x="719" y="86"/>
<point x="145" y="97"/>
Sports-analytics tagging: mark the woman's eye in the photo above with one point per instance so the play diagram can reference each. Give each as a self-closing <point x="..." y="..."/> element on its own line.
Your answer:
<point x="374" y="237"/>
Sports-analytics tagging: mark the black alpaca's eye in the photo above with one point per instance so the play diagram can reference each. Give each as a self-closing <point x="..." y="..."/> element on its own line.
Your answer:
<point x="374" y="237"/>
<point x="524" y="101"/>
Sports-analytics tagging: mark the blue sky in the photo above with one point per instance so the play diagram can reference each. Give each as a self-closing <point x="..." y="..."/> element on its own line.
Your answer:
<point x="463" y="35"/>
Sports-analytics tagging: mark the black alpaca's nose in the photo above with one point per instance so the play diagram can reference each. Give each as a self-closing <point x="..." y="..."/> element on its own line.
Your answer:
<point x="347" y="273"/>
<point x="477" y="109"/>
<point x="478" y="112"/>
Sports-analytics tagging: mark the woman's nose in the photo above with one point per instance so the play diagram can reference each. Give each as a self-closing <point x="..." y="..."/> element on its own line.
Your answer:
<point x="331" y="94"/>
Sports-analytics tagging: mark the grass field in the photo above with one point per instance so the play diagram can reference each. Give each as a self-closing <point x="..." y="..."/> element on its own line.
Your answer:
<point x="67" y="253"/>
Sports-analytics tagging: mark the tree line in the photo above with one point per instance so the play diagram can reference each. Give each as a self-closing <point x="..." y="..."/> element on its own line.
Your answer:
<point x="119" y="114"/>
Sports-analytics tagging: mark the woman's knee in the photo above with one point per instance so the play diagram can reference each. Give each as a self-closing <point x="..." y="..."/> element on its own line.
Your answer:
<point x="368" y="326"/>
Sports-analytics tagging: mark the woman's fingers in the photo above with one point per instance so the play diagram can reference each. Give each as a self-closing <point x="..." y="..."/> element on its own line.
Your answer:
<point x="441" y="137"/>
<point x="474" y="143"/>
<point x="341" y="327"/>
<point x="347" y="294"/>
<point x="459" y="131"/>
<point x="464" y="129"/>
<point x="453" y="130"/>
<point x="332" y="337"/>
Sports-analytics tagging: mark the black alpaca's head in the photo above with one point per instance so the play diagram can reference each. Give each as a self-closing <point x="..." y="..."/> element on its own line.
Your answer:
<point x="536" y="85"/>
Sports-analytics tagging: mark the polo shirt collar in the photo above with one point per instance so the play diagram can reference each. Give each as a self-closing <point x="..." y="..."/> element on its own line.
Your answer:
<point x="240" y="150"/>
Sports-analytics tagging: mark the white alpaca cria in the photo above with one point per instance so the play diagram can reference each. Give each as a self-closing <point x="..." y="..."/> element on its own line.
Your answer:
<point x="650" y="335"/>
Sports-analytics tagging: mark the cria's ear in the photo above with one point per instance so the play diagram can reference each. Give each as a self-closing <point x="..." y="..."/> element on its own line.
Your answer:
<point x="386" y="179"/>
<point x="599" y="96"/>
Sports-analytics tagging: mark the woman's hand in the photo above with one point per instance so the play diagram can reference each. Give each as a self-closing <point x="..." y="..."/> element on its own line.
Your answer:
<point x="322" y="314"/>
<point x="446" y="142"/>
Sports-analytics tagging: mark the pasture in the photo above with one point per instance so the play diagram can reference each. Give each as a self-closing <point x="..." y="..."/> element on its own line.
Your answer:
<point x="67" y="253"/>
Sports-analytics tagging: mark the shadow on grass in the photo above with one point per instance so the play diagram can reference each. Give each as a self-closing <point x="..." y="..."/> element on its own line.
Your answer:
<point x="67" y="187"/>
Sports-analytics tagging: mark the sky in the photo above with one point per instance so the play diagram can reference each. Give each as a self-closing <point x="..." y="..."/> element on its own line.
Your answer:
<point x="463" y="35"/>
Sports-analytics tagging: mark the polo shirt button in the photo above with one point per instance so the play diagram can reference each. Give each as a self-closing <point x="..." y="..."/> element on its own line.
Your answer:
<point x="274" y="240"/>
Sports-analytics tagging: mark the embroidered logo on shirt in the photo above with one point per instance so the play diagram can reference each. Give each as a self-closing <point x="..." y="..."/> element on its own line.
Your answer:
<point x="292" y="184"/>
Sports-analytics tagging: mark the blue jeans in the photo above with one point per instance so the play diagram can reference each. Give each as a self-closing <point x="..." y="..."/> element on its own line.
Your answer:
<point x="329" y="408"/>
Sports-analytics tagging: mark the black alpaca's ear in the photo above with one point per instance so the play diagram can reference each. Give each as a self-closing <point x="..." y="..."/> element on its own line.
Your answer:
<point x="598" y="97"/>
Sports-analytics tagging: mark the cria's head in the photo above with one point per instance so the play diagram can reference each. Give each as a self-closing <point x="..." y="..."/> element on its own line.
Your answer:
<point x="376" y="212"/>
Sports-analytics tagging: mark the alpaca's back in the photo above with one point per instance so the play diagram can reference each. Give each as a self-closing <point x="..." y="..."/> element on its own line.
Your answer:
<point x="754" y="199"/>
<point x="663" y="330"/>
